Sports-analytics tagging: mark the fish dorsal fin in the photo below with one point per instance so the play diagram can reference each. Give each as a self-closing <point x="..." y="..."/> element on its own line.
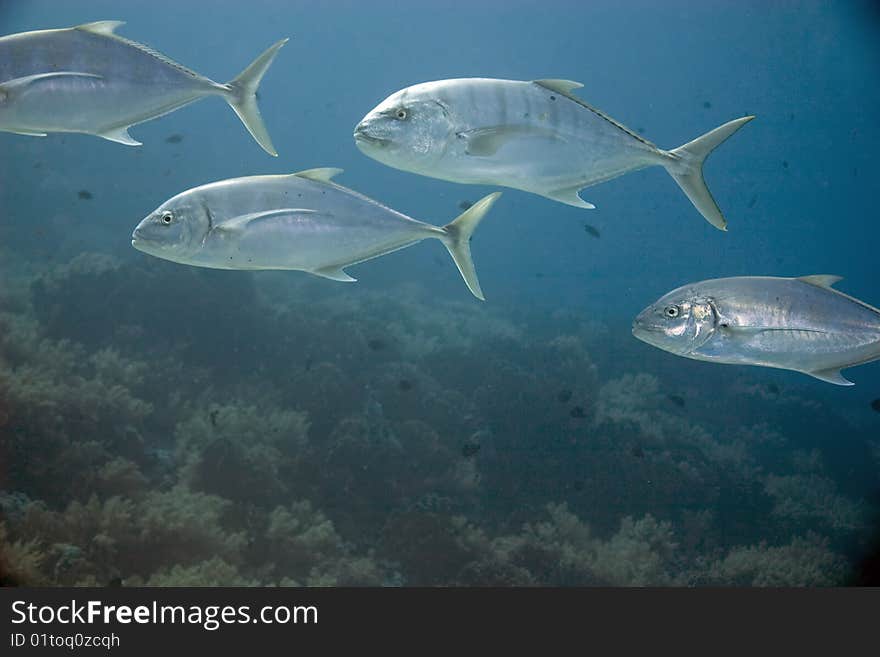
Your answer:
<point x="559" y="86"/>
<point x="324" y="174"/>
<point x="243" y="221"/>
<point x="107" y="28"/>
<point x="831" y="375"/>
<point x="562" y="86"/>
<point x="826" y="281"/>
<point x="821" y="280"/>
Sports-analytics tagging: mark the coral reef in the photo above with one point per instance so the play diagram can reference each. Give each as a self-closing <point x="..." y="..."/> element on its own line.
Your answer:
<point x="803" y="562"/>
<point x="164" y="426"/>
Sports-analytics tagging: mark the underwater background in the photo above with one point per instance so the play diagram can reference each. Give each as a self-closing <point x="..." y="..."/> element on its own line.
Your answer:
<point x="168" y="425"/>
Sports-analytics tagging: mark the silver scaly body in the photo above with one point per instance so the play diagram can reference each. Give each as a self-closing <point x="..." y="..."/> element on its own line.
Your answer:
<point x="799" y="324"/>
<point x="87" y="79"/>
<point x="548" y="142"/>
<point x="530" y="135"/>
<point x="302" y="221"/>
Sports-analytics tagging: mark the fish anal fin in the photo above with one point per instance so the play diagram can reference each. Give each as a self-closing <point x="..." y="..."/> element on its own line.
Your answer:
<point x="29" y="133"/>
<point x="100" y="27"/>
<point x="324" y="174"/>
<point x="831" y="375"/>
<point x="562" y="86"/>
<point x="570" y="196"/>
<point x="334" y="274"/>
<point x="484" y="142"/>
<point x="821" y="280"/>
<point x="120" y="136"/>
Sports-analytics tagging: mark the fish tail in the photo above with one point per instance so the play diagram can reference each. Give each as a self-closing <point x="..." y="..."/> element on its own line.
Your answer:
<point x="456" y="237"/>
<point x="242" y="97"/>
<point x="686" y="168"/>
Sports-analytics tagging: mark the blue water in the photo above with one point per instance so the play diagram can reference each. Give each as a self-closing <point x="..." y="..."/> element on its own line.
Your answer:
<point x="796" y="186"/>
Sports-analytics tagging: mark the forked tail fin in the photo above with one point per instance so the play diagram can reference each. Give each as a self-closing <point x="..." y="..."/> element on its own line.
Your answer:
<point x="687" y="169"/>
<point x="457" y="239"/>
<point x="242" y="97"/>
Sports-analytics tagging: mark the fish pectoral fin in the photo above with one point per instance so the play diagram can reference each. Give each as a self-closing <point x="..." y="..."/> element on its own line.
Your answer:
<point x="334" y="274"/>
<point x="732" y="328"/>
<point x="100" y="27"/>
<point x="29" y="81"/>
<point x="325" y="174"/>
<point x="570" y="196"/>
<point x="241" y="222"/>
<point x="484" y="142"/>
<point x="120" y="136"/>
<point x="821" y="280"/>
<point x="831" y="375"/>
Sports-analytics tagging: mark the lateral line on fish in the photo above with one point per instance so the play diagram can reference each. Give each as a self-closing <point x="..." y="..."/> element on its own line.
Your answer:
<point x="599" y="113"/>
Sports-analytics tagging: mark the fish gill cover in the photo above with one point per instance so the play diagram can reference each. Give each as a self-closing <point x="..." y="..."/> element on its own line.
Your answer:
<point x="166" y="425"/>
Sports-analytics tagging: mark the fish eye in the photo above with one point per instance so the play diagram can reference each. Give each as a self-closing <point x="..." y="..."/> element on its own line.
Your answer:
<point x="672" y="311"/>
<point x="401" y="114"/>
<point x="167" y="218"/>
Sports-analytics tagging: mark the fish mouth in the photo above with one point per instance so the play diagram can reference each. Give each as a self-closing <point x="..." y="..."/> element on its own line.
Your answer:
<point x="641" y="325"/>
<point x="642" y="329"/>
<point x="138" y="240"/>
<point x="362" y="136"/>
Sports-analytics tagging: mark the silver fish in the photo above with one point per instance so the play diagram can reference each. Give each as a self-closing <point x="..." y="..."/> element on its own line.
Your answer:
<point x="799" y="324"/>
<point x="302" y="221"/>
<point x="90" y="80"/>
<point x="534" y="136"/>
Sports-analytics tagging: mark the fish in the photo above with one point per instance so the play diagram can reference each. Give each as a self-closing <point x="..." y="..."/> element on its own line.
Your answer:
<point x="564" y="396"/>
<point x="88" y="79"/>
<point x="302" y="221"/>
<point x="469" y="449"/>
<point x="174" y="139"/>
<point x="875" y="405"/>
<point x="592" y="230"/>
<point x="84" y="195"/>
<point x="577" y="412"/>
<point x="800" y="324"/>
<point x="464" y="204"/>
<point x="678" y="400"/>
<point x="376" y="344"/>
<point x="405" y="385"/>
<point x="534" y="136"/>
